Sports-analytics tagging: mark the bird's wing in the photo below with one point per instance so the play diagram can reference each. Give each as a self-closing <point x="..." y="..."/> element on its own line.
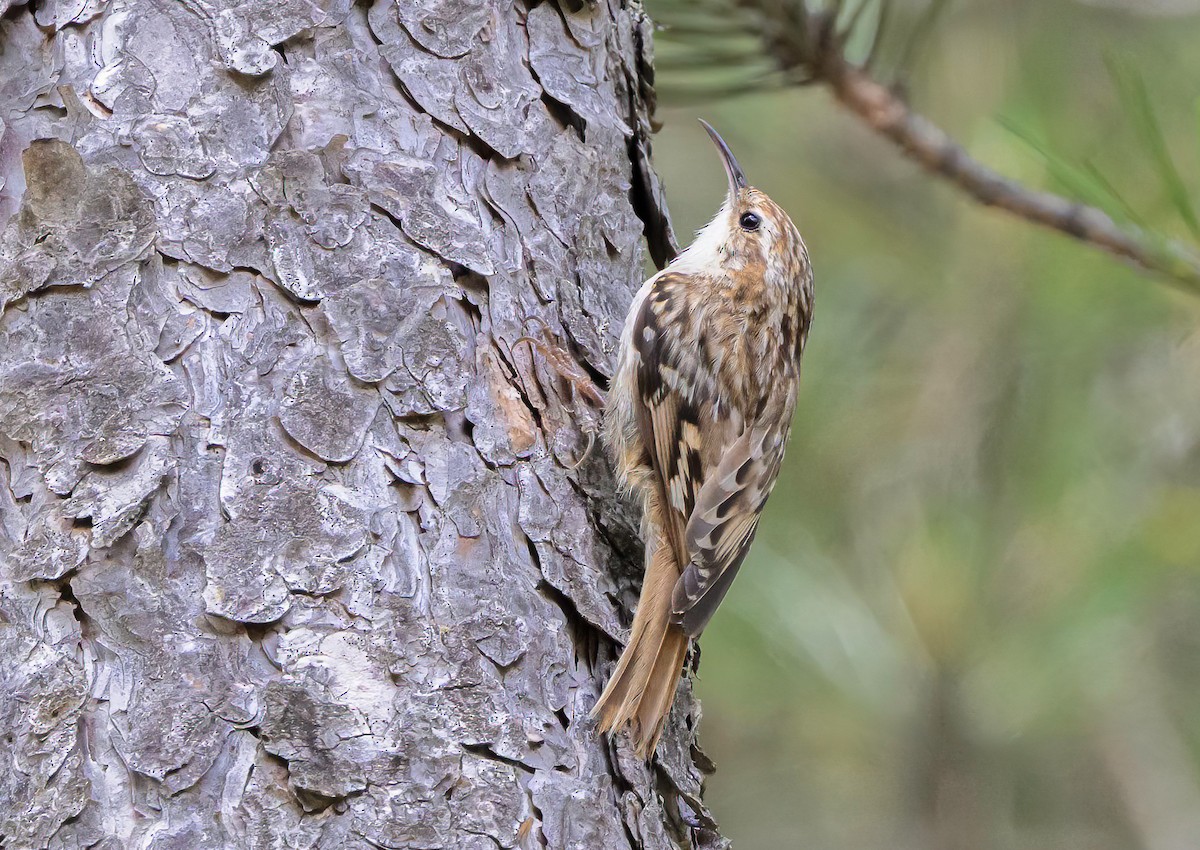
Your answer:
<point x="713" y="469"/>
<point x="673" y="398"/>
<point x="723" y="521"/>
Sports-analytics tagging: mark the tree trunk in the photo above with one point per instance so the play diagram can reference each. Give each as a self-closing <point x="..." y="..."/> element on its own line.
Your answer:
<point x="293" y="553"/>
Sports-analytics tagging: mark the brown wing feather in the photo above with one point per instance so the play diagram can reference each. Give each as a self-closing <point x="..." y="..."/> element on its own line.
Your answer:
<point x="723" y="522"/>
<point x="668" y="415"/>
<point x="713" y="470"/>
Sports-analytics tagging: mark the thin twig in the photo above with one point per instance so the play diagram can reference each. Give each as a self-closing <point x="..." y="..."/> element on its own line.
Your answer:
<point x="816" y="51"/>
<point x="934" y="150"/>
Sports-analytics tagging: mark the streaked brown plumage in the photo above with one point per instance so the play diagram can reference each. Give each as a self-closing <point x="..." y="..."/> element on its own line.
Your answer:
<point x="697" y="419"/>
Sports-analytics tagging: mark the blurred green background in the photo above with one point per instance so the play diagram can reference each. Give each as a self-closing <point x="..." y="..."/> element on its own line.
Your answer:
<point x="971" y="618"/>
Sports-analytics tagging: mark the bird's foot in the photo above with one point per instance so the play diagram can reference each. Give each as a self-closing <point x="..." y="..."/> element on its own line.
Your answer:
<point x="562" y="363"/>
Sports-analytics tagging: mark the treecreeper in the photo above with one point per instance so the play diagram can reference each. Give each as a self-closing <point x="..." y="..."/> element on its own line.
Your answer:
<point x="697" y="419"/>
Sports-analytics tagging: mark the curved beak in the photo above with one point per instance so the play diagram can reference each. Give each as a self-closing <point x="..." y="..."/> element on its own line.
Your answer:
<point x="737" y="180"/>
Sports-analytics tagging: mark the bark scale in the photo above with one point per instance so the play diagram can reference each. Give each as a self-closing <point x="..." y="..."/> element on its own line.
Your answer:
<point x="292" y="555"/>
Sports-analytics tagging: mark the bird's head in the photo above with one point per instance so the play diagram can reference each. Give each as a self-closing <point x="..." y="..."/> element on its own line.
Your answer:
<point x="750" y="233"/>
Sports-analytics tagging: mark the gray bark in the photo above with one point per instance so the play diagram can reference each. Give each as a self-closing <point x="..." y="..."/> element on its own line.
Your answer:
<point x="292" y="553"/>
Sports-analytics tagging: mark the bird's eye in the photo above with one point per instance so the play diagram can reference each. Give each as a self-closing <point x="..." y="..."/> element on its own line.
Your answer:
<point x="749" y="221"/>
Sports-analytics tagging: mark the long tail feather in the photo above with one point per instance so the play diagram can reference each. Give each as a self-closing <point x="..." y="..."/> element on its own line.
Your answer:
<point x="642" y="689"/>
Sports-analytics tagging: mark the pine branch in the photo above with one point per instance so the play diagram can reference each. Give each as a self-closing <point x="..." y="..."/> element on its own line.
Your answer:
<point x="812" y="51"/>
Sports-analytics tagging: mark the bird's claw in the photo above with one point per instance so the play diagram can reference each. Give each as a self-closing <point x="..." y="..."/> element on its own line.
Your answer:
<point x="563" y="363"/>
<point x="582" y="385"/>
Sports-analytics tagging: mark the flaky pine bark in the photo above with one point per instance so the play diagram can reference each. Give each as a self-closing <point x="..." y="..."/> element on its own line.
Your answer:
<point x="292" y="552"/>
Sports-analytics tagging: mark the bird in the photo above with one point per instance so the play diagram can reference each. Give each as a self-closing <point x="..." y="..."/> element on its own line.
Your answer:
<point x="696" y="421"/>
